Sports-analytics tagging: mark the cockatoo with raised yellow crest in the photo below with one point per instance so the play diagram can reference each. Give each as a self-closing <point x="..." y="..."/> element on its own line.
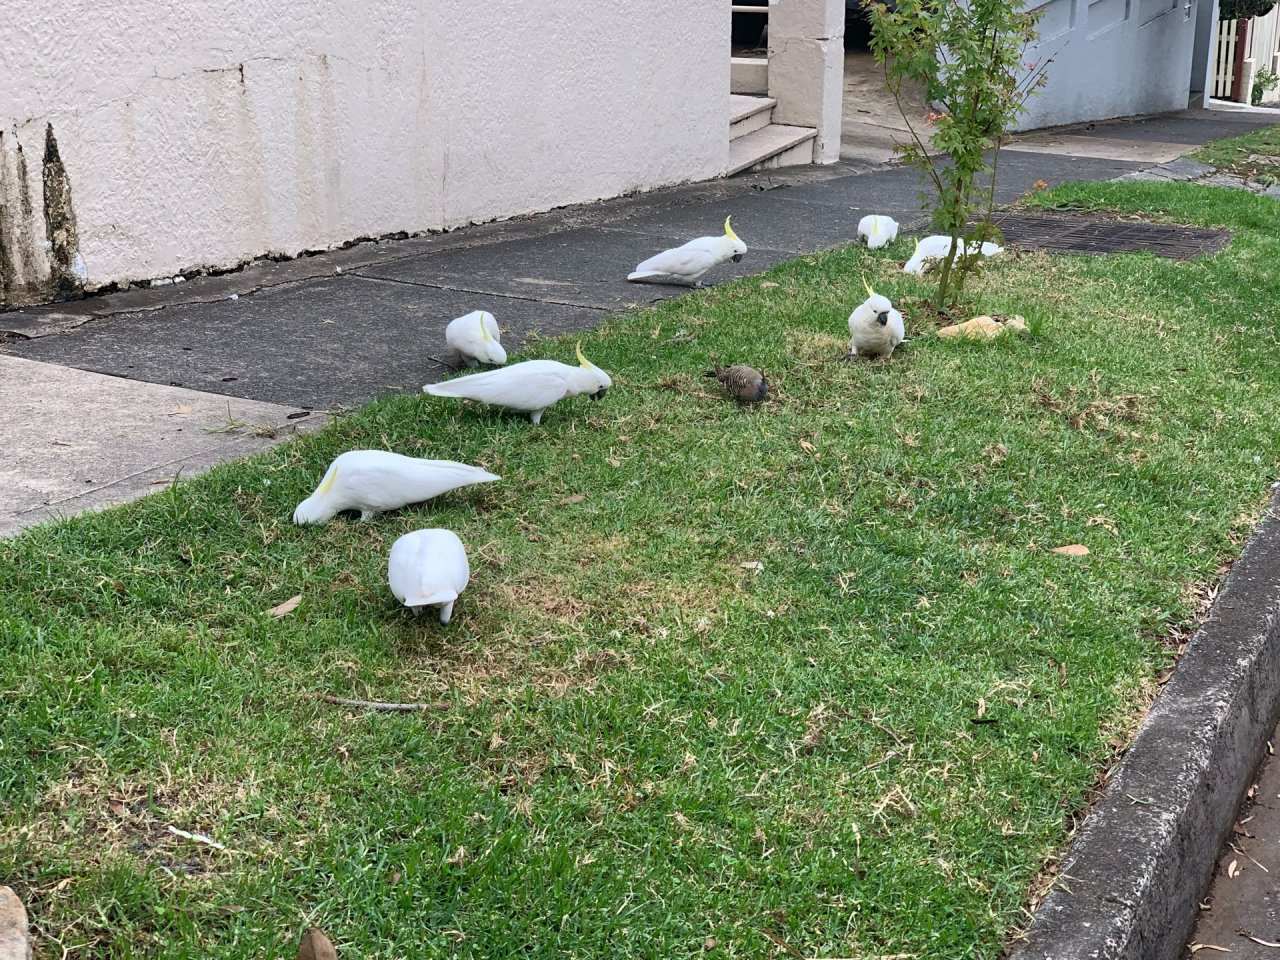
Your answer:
<point x="530" y="386"/>
<point x="477" y="339"/>
<point x="428" y="568"/>
<point x="938" y="246"/>
<point x="875" y="328"/>
<point x="878" y="231"/>
<point x="372" y="481"/>
<point x="687" y="264"/>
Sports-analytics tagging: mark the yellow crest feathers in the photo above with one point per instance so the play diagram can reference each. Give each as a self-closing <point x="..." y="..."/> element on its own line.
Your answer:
<point x="484" y="329"/>
<point x="328" y="481"/>
<point x="866" y="286"/>
<point x="728" y="230"/>
<point x="582" y="358"/>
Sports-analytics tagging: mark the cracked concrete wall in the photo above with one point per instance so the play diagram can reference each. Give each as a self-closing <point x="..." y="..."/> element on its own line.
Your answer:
<point x="209" y="133"/>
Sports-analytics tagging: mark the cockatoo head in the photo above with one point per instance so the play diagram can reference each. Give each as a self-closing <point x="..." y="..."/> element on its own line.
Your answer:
<point x="601" y="379"/>
<point x="319" y="507"/>
<point x="494" y="352"/>
<point x="737" y="246"/>
<point x="875" y="309"/>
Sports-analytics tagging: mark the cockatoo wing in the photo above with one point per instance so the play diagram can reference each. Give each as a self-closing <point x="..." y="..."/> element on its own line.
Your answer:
<point x="691" y="260"/>
<point x="532" y="385"/>
<point x="427" y="567"/>
<point x="897" y="329"/>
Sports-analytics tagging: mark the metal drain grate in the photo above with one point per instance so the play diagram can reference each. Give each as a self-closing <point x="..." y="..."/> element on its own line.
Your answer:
<point x="1095" y="235"/>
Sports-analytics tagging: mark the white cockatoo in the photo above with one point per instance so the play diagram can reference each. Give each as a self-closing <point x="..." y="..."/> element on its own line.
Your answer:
<point x="529" y="387"/>
<point x="875" y="328"/>
<point x="688" y="263"/>
<point x="428" y="568"/>
<point x="477" y="339"/>
<point x="374" y="480"/>
<point x="877" y="231"/>
<point x="938" y="246"/>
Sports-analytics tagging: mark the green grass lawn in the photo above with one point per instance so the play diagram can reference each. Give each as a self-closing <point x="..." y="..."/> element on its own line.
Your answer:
<point x="1233" y="155"/>
<point x="809" y="673"/>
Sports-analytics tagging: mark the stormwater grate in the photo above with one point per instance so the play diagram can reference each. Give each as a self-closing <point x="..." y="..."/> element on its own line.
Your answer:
<point x="1058" y="233"/>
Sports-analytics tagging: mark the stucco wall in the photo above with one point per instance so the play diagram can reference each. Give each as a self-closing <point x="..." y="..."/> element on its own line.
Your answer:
<point x="214" y="131"/>
<point x="1111" y="58"/>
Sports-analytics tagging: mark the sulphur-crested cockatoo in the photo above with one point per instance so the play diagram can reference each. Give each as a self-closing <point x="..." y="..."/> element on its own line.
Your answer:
<point x="688" y="263"/>
<point x="937" y="247"/>
<point x="428" y="568"/>
<point x="877" y="231"/>
<point x="875" y="328"/>
<point x="529" y="387"/>
<point x="374" y="480"/>
<point x="476" y="338"/>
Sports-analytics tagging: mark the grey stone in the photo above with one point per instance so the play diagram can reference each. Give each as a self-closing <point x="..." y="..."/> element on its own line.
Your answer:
<point x="1184" y="169"/>
<point x="1145" y="854"/>
<point x="15" y="942"/>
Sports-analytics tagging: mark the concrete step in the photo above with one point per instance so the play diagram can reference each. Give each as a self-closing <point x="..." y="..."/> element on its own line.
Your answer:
<point x="749" y="75"/>
<point x="748" y="114"/>
<point x="776" y="145"/>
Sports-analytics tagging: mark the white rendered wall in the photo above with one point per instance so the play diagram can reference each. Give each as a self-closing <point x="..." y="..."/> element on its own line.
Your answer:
<point x="210" y="132"/>
<point x="1111" y="58"/>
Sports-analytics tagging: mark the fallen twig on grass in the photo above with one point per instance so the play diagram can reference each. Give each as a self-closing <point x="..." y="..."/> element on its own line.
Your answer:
<point x="197" y="837"/>
<point x="379" y="705"/>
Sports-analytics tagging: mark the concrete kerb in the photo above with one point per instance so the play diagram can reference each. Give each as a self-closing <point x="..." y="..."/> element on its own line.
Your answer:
<point x="1129" y="886"/>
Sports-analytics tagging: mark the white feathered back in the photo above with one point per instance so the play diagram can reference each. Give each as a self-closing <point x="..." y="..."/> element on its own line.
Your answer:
<point x="375" y="480"/>
<point x="477" y="338"/>
<point x="427" y="568"/>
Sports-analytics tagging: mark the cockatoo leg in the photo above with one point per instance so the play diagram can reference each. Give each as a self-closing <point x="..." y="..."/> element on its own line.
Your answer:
<point x="446" y="612"/>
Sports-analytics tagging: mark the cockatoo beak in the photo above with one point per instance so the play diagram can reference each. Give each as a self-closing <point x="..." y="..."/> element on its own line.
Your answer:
<point x="736" y="258"/>
<point x="882" y="317"/>
<point x="599" y="394"/>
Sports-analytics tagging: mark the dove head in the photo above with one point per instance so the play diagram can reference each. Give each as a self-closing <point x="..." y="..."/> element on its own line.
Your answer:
<point x="320" y="506"/>
<point x="735" y="245"/>
<point x="595" y="381"/>
<point x="494" y="352"/>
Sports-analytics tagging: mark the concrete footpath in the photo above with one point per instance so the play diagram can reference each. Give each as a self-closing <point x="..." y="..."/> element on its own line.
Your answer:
<point x="98" y="381"/>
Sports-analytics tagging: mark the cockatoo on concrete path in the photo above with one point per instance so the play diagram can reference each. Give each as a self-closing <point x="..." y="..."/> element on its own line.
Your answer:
<point x="428" y="568"/>
<point x="878" y="231"/>
<point x="688" y="263"/>
<point x="875" y="328"/>
<point x="938" y="246"/>
<point x="476" y="338"/>
<point x="374" y="480"/>
<point x="529" y="387"/>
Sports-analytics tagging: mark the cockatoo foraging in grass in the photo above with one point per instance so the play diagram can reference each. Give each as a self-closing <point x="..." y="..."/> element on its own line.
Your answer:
<point x="374" y="480"/>
<point x="529" y="387"/>
<point x="476" y="338"/>
<point x="877" y="231"/>
<point x="428" y="568"/>
<point x="688" y="263"/>
<point x="937" y="247"/>
<point x="875" y="328"/>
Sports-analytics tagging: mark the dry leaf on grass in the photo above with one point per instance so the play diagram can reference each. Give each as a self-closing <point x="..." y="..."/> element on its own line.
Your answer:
<point x="767" y="285"/>
<point x="752" y="565"/>
<point x="287" y="607"/>
<point x="1072" y="550"/>
<point x="568" y="501"/>
<point x="808" y="447"/>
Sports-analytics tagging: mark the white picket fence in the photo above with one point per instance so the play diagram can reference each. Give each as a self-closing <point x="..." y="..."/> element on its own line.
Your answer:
<point x="1259" y="51"/>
